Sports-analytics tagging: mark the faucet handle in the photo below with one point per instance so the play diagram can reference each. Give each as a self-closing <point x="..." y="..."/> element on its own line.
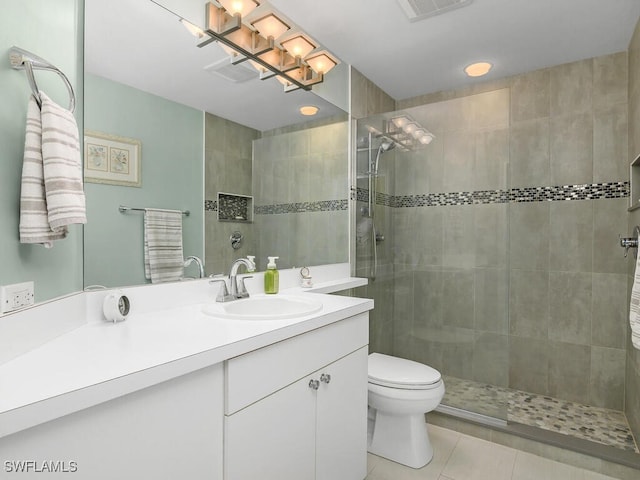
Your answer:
<point x="242" y="288"/>
<point x="223" y="293"/>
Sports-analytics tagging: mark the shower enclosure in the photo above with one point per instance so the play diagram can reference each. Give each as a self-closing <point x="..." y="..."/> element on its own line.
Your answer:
<point x="485" y="271"/>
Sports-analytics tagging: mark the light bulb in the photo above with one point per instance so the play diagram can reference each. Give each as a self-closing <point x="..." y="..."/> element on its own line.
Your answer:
<point x="426" y="139"/>
<point x="420" y="132"/>
<point x="270" y="26"/>
<point x="309" y="110"/>
<point x="400" y="121"/>
<point x="477" y="69"/>
<point x="243" y="7"/>
<point x="409" y="128"/>
<point x="321" y="63"/>
<point x="298" y="46"/>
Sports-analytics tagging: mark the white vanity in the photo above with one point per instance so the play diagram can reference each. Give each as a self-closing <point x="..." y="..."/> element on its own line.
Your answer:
<point x="176" y="393"/>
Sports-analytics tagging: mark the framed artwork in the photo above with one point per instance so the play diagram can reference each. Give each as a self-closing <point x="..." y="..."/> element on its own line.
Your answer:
<point x="112" y="160"/>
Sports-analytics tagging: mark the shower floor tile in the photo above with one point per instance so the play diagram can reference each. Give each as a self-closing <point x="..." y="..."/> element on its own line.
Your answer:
<point x="608" y="427"/>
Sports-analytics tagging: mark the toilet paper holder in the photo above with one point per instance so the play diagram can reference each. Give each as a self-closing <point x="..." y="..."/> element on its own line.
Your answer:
<point x="631" y="242"/>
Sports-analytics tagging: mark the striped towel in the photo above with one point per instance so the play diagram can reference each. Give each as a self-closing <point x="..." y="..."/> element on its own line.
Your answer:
<point x="163" y="257"/>
<point x="51" y="196"/>
<point x="634" y="307"/>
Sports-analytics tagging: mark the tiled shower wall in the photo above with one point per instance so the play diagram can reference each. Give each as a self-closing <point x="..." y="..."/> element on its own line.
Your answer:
<point x="228" y="169"/>
<point x="515" y="278"/>
<point x="632" y="387"/>
<point x="368" y="99"/>
<point x="301" y="195"/>
<point x="297" y="178"/>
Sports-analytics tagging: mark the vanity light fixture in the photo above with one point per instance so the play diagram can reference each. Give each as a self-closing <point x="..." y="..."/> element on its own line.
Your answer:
<point x="263" y="43"/>
<point x="407" y="132"/>
<point x="309" y="110"/>
<point x="478" y="69"/>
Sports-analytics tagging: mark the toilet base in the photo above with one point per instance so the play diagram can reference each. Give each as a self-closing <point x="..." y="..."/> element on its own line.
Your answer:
<point x="400" y="438"/>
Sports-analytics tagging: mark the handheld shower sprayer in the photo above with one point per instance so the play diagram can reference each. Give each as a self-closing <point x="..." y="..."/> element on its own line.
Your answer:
<point x="384" y="147"/>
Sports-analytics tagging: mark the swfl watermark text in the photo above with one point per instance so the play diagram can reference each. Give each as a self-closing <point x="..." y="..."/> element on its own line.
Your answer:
<point x="40" y="466"/>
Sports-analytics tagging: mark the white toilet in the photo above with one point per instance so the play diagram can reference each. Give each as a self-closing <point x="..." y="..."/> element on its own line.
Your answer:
<point x="400" y="393"/>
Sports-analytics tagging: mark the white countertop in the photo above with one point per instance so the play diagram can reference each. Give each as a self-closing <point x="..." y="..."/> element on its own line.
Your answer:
<point x="99" y="361"/>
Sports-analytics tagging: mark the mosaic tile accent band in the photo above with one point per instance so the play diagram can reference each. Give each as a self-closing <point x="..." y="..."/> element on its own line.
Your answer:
<point x="299" y="207"/>
<point x="592" y="191"/>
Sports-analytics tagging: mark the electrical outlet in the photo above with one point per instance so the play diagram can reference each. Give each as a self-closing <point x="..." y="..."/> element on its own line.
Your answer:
<point x="16" y="296"/>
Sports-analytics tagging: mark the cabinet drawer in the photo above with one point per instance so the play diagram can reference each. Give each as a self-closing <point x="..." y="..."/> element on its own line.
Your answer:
<point x="256" y="374"/>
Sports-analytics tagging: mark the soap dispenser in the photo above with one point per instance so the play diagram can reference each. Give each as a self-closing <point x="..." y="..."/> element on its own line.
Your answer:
<point x="271" y="276"/>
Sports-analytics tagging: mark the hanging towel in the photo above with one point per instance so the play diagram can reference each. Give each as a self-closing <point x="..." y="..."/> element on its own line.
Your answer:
<point x="634" y="307"/>
<point x="34" y="217"/>
<point x="52" y="195"/>
<point x="163" y="257"/>
<point x="62" y="166"/>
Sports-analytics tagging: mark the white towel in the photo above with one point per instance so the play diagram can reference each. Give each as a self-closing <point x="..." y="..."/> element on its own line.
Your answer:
<point x="52" y="195"/>
<point x="163" y="257"/>
<point x="634" y="307"/>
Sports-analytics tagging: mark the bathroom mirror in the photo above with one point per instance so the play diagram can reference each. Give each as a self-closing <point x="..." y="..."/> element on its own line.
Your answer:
<point x="151" y="83"/>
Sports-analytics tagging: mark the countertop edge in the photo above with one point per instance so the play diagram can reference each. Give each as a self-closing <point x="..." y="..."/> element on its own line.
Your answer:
<point x="27" y="416"/>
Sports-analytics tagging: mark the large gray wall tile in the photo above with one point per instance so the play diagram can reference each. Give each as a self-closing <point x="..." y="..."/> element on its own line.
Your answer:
<point x="571" y="236"/>
<point x="529" y="235"/>
<point x="568" y="364"/>
<point x="529" y="303"/>
<point x="570" y="307"/>
<point x="609" y="310"/>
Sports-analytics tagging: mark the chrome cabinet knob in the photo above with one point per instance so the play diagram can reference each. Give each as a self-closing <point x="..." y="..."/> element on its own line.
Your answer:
<point x="325" y="377"/>
<point x="314" y="384"/>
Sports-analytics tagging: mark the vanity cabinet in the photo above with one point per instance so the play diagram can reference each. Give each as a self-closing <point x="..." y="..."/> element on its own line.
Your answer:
<point x="297" y="409"/>
<point x="167" y="431"/>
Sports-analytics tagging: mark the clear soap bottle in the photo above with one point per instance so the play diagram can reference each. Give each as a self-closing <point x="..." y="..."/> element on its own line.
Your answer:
<point x="271" y="277"/>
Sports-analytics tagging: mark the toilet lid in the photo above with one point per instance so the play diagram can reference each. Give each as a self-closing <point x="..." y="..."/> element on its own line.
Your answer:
<point x="393" y="371"/>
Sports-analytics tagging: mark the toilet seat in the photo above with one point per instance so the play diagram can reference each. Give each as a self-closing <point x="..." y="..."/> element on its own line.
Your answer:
<point x="400" y="373"/>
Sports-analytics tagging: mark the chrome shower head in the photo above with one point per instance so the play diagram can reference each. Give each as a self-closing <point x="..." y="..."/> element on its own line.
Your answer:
<point x="386" y="145"/>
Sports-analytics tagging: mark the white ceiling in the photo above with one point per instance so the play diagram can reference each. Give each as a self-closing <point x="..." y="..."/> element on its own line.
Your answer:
<point x="140" y="44"/>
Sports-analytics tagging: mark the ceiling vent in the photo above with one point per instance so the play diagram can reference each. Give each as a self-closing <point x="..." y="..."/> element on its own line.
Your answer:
<point x="235" y="73"/>
<point x="420" y="9"/>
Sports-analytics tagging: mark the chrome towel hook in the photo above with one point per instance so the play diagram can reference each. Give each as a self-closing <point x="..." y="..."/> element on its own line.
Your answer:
<point x="631" y="242"/>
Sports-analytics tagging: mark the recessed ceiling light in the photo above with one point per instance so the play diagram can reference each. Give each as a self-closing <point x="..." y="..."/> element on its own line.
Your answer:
<point x="309" y="110"/>
<point x="477" y="69"/>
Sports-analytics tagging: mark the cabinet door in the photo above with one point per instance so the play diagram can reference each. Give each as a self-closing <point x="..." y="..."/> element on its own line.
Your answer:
<point x="342" y="419"/>
<point x="273" y="439"/>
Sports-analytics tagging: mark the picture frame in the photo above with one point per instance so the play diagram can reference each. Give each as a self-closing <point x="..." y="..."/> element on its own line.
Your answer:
<point x="112" y="160"/>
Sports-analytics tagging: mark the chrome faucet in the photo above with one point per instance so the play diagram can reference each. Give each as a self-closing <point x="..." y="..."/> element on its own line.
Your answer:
<point x="239" y="291"/>
<point x="193" y="258"/>
<point x="236" y="288"/>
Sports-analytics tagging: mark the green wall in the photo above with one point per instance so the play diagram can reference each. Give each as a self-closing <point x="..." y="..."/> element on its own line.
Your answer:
<point x="51" y="30"/>
<point x="172" y="177"/>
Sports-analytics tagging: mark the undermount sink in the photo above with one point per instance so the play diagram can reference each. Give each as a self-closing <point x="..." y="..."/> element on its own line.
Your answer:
<point x="264" y="307"/>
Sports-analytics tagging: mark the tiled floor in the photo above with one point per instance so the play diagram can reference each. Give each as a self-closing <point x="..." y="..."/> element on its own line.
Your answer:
<point x="461" y="457"/>
<point x="608" y="427"/>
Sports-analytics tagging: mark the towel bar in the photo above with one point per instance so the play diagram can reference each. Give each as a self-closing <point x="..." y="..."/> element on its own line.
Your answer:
<point x="631" y="242"/>
<point x="124" y="209"/>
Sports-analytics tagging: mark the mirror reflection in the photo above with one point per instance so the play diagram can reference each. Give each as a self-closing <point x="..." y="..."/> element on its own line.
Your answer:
<point x="238" y="156"/>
